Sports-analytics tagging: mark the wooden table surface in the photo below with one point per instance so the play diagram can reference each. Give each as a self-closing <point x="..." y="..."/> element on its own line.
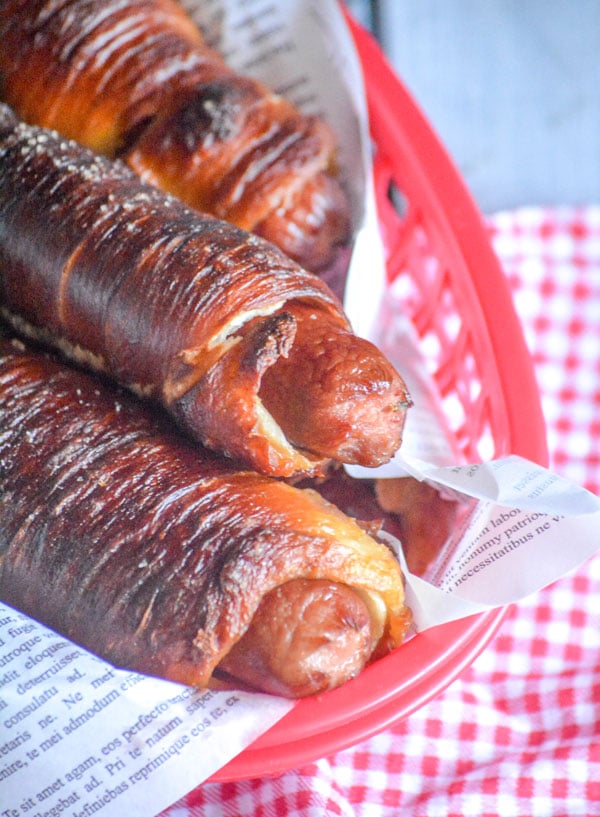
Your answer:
<point x="512" y="88"/>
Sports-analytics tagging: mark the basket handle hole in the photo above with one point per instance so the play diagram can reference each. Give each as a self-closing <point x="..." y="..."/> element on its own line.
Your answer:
<point x="398" y="200"/>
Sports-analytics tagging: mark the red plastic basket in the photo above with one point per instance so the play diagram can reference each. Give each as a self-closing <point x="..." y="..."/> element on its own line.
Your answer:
<point x="455" y="291"/>
<point x="458" y="299"/>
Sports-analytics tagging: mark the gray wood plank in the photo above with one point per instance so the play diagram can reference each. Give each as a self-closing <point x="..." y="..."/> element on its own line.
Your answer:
<point x="512" y="88"/>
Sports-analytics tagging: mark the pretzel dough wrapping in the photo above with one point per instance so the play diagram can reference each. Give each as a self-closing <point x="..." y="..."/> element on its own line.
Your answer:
<point x="136" y="79"/>
<point x="170" y="561"/>
<point x="250" y="353"/>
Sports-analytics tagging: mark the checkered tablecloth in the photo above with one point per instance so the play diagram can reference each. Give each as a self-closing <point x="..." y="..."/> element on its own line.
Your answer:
<point x="519" y="732"/>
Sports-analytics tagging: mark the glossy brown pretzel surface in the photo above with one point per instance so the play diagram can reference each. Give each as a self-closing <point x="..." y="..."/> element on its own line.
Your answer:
<point x="188" y="310"/>
<point x="136" y="79"/>
<point x="158" y="556"/>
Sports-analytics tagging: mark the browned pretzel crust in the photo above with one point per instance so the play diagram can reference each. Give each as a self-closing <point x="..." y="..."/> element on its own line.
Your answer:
<point x="136" y="79"/>
<point x="188" y="310"/>
<point x="161" y="557"/>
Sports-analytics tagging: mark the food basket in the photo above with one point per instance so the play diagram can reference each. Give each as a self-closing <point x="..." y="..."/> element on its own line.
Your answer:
<point x="457" y="298"/>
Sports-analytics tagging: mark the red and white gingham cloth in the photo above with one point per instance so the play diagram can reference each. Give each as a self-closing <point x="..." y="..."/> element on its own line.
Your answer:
<point x="519" y="732"/>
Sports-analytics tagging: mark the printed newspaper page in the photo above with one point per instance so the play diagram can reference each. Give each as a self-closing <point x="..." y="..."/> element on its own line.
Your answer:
<point x="523" y="527"/>
<point x="79" y="737"/>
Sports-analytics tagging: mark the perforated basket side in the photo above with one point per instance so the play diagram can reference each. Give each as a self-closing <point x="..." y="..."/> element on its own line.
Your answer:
<point x="448" y="279"/>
